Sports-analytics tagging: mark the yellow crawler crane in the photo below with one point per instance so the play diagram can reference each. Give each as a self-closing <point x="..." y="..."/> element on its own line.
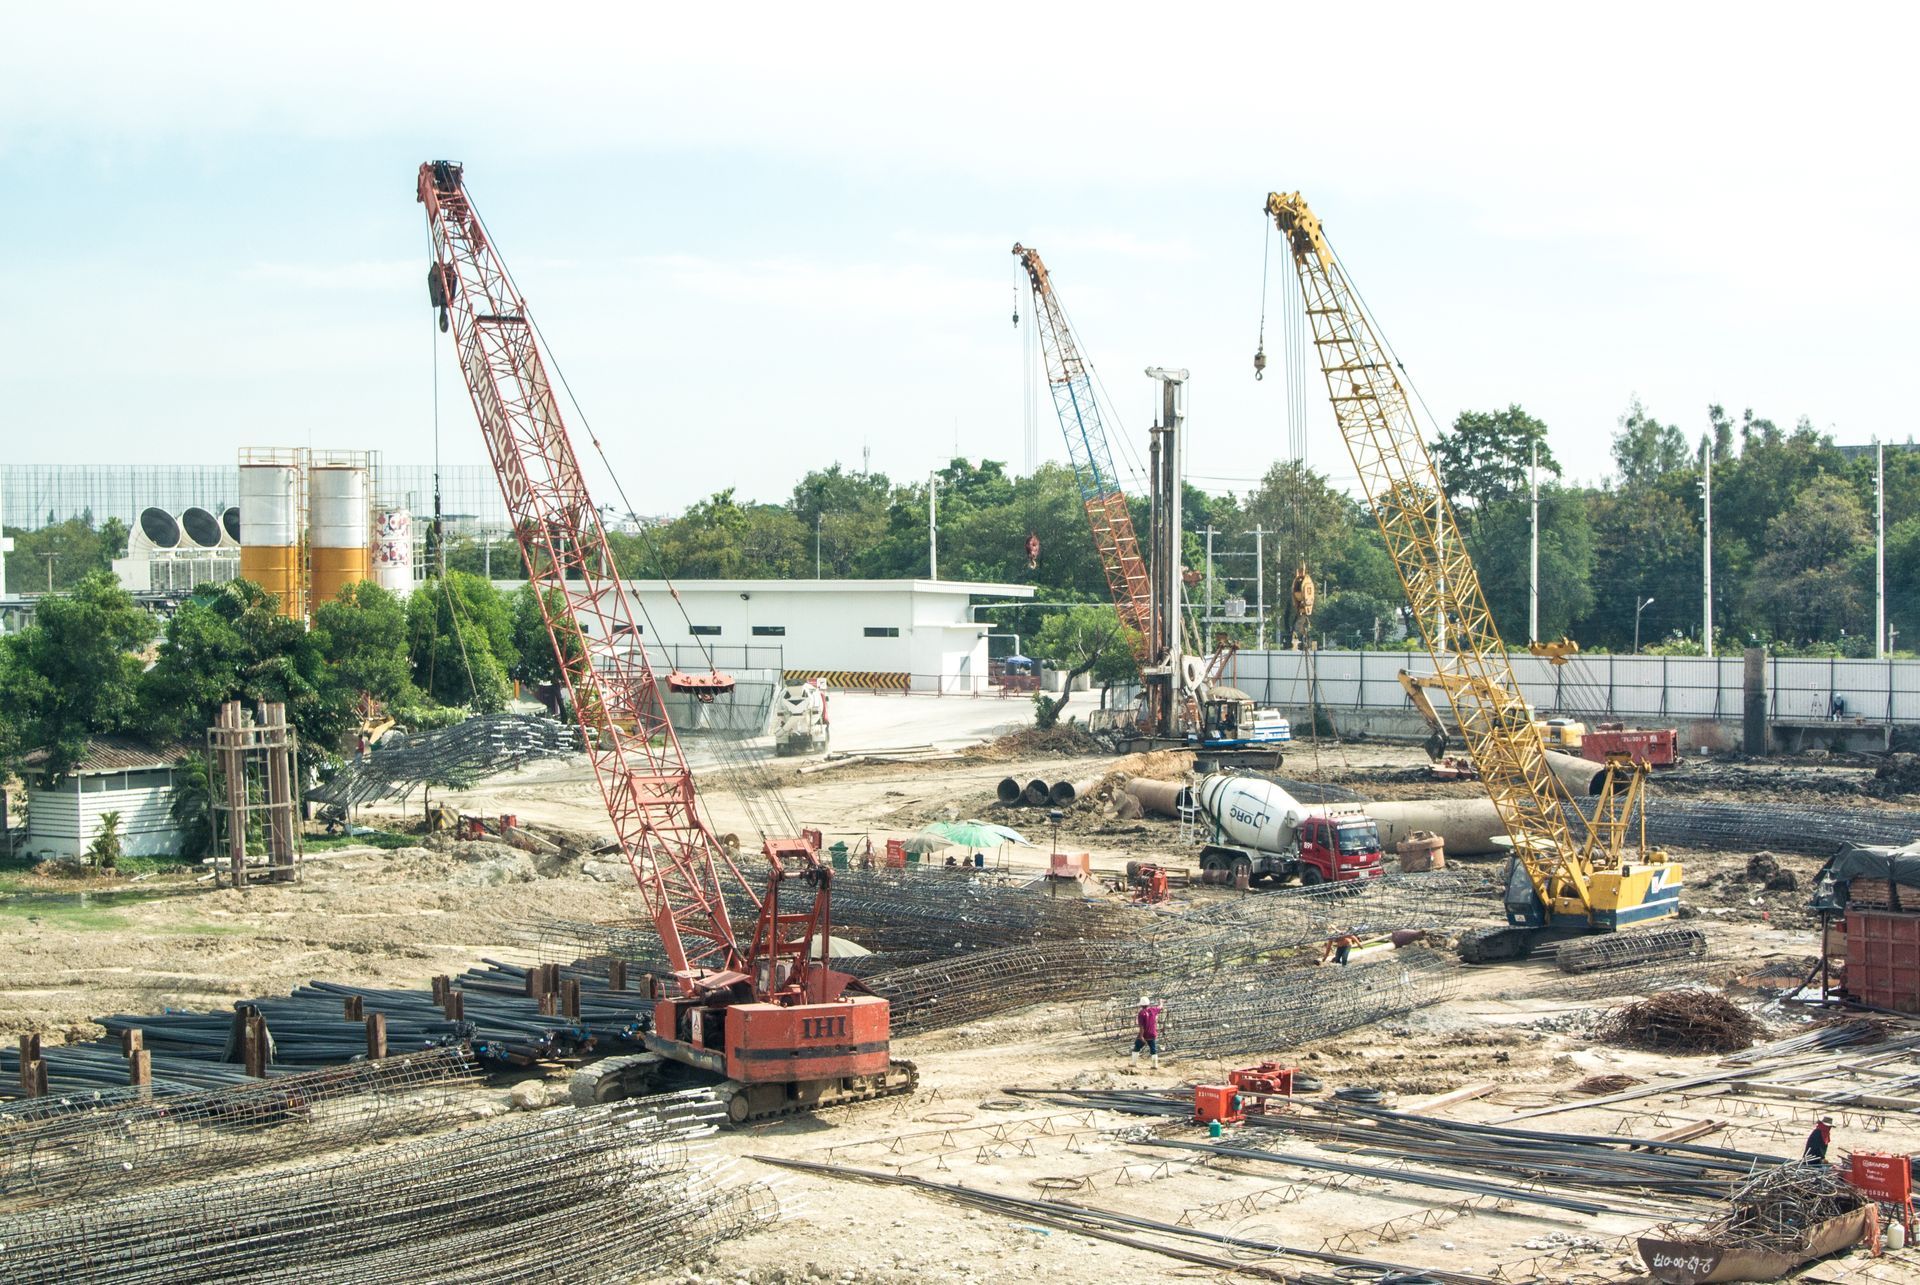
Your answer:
<point x="1572" y="872"/>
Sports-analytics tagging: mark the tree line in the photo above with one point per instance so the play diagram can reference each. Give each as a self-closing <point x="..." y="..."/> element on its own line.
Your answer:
<point x="94" y="663"/>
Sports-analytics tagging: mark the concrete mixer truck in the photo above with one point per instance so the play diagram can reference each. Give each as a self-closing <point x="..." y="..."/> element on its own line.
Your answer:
<point x="1263" y="834"/>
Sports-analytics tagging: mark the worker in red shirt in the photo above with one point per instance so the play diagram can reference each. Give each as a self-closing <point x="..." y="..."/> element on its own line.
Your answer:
<point x="1147" y="1031"/>
<point x="1816" y="1149"/>
<point x="1338" y="949"/>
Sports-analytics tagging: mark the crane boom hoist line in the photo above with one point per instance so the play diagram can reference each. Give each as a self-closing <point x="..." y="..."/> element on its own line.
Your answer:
<point x="1595" y="881"/>
<point x="764" y="1014"/>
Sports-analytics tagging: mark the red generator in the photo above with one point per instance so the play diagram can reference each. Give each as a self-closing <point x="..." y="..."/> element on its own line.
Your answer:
<point x="1219" y="1102"/>
<point x="1260" y="1085"/>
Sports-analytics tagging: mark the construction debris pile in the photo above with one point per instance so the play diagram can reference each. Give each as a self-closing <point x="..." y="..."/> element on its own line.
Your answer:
<point x="454" y="757"/>
<point x="1775" y="1209"/>
<point x="56" y="1148"/>
<point x="610" y="1192"/>
<point x="1685" y="1021"/>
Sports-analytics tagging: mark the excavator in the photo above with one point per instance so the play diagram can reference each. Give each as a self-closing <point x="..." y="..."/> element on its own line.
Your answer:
<point x="761" y="1015"/>
<point x="1572" y="872"/>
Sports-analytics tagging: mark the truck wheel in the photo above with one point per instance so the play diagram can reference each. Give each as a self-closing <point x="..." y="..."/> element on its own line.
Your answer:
<point x="1310" y="875"/>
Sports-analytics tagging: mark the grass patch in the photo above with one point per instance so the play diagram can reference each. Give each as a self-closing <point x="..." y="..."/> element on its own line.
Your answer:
<point x="70" y="915"/>
<point x="204" y="928"/>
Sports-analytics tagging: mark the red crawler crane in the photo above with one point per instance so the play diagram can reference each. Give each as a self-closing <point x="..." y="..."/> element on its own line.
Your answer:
<point x="780" y="1028"/>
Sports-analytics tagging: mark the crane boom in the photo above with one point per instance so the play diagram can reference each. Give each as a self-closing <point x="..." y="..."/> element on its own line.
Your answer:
<point x="1587" y="877"/>
<point x="1071" y="380"/>
<point x="783" y="1031"/>
<point x="643" y="775"/>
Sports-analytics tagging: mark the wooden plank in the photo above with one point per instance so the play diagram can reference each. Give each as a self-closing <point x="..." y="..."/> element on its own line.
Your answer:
<point x="1685" y="1133"/>
<point x="1466" y="1094"/>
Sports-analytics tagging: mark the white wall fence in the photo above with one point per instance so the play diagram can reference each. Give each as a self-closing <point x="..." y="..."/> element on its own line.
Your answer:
<point x="1691" y="687"/>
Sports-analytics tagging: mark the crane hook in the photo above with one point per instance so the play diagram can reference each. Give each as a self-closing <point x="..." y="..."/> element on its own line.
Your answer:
<point x="1016" y="307"/>
<point x="1260" y="363"/>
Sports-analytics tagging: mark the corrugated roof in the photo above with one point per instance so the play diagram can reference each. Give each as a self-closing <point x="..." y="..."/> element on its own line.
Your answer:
<point x="117" y="754"/>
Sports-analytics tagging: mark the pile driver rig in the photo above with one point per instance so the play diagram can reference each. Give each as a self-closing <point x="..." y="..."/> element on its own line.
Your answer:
<point x="766" y="1017"/>
<point x="1185" y="700"/>
<point x="1559" y="883"/>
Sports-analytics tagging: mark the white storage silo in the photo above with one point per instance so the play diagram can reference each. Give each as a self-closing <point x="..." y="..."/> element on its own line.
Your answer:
<point x="337" y="532"/>
<point x="393" y="550"/>
<point x="270" y="519"/>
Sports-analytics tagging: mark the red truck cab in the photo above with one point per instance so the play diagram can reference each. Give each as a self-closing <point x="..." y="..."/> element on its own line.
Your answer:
<point x="1339" y="845"/>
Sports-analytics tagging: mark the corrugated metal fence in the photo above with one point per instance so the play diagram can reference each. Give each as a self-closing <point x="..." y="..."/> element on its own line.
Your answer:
<point x="1605" y="685"/>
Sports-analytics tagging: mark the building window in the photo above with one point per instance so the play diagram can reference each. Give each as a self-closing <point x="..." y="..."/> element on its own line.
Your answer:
<point x="769" y="631"/>
<point x="883" y="631"/>
<point x="704" y="631"/>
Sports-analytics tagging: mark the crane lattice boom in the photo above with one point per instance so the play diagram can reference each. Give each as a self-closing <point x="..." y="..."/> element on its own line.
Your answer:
<point x="1422" y="535"/>
<point x="643" y="774"/>
<point x="1071" y="381"/>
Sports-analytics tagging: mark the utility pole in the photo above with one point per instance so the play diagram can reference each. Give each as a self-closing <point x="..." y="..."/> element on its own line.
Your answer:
<point x="816" y="544"/>
<point x="49" y="557"/>
<point x="1706" y="597"/>
<point x="1533" y="561"/>
<point x="1880" y="550"/>
<point x="1260" y="588"/>
<point x="6" y="547"/>
<point x="933" y="532"/>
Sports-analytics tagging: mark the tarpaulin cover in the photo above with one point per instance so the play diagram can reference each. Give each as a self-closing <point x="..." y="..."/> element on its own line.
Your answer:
<point x="1901" y="865"/>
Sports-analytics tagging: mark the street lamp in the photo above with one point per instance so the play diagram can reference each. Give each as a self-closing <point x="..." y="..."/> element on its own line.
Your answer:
<point x="1637" y="609"/>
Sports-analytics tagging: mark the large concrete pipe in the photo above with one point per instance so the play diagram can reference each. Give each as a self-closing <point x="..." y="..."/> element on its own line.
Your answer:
<point x="1581" y="777"/>
<point x="1037" y="792"/>
<point x="1010" y="791"/>
<point x="1161" y="798"/>
<point x="1469" y="826"/>
<point x="1064" y="794"/>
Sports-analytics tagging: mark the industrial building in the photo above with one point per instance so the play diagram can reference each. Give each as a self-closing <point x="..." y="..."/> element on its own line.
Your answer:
<point x="886" y="635"/>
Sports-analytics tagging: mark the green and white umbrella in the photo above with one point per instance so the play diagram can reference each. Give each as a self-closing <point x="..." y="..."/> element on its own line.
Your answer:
<point x="976" y="834"/>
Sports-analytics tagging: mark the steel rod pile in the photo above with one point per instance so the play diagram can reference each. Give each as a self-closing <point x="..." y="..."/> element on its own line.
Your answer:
<point x="1779" y="827"/>
<point x="57" y="1148"/>
<point x="1442" y="900"/>
<point x="623" y="1192"/>
<point x="1684" y="1021"/>
<point x="1248" y="1013"/>
<point x="454" y="757"/>
<point x="1836" y="1035"/>
<point x="1775" y="1208"/>
<point x="949" y="992"/>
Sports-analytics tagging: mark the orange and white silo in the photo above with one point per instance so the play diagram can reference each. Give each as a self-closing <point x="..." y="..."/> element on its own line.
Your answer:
<point x="270" y="521"/>
<point x="337" y="530"/>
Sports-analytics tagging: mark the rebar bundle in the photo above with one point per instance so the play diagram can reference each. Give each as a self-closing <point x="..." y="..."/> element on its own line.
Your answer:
<point x="454" y="757"/>
<point x="56" y="1148"/>
<point x="1775" y="1209"/>
<point x="1442" y="900"/>
<point x="948" y="992"/>
<point x="1249" y="1012"/>
<point x="611" y="1193"/>
<point x="1779" y="827"/>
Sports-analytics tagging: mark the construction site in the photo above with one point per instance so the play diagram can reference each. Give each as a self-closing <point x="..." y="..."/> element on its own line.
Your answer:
<point x="677" y="980"/>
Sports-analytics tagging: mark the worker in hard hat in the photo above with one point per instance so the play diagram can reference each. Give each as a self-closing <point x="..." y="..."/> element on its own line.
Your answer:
<point x="1817" y="1141"/>
<point x="1146" y="1023"/>
<point x="1339" y="949"/>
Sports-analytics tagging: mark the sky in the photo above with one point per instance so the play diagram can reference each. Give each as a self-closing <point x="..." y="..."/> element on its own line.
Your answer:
<point x="761" y="238"/>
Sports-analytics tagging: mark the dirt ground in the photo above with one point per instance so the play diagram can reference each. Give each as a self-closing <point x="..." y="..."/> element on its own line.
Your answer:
<point x="400" y="916"/>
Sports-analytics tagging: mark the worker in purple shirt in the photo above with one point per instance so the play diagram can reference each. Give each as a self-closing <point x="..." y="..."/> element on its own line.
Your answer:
<point x="1147" y="1031"/>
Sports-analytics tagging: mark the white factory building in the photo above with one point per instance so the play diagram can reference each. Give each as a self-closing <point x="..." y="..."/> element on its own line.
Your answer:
<point x="891" y="635"/>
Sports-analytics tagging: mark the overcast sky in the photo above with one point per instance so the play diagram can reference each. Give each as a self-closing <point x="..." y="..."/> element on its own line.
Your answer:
<point x="761" y="239"/>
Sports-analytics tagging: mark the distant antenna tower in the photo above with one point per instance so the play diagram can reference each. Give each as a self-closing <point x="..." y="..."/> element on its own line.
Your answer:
<point x="866" y="459"/>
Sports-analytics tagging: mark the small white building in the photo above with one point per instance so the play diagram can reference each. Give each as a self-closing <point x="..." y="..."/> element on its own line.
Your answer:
<point x="891" y="635"/>
<point x="117" y="774"/>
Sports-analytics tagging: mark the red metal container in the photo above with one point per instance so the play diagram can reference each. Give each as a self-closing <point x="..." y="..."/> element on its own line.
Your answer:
<point x="1656" y="747"/>
<point x="1883" y="959"/>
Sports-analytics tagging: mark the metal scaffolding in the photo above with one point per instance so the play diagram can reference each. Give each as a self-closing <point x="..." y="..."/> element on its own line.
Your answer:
<point x="251" y="791"/>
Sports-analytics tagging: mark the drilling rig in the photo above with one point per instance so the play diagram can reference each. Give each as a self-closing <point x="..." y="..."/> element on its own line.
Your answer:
<point x="765" y="1018"/>
<point x="1559" y="883"/>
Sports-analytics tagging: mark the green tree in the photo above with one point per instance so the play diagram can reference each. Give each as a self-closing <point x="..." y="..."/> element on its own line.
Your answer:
<point x="1500" y="539"/>
<point x="104" y="852"/>
<point x="1087" y="640"/>
<point x="231" y="642"/>
<point x="73" y="548"/>
<point x="1808" y="585"/>
<point x="362" y="636"/>
<point x="1645" y="450"/>
<point x="1306" y="520"/>
<point x="1645" y="545"/>
<point x="1486" y="455"/>
<point x="73" y="673"/>
<point x="460" y="634"/>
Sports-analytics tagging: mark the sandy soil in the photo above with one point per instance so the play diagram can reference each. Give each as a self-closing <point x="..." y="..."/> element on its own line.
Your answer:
<point x="392" y="917"/>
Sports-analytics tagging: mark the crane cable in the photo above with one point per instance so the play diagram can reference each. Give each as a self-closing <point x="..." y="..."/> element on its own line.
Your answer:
<point x="747" y="778"/>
